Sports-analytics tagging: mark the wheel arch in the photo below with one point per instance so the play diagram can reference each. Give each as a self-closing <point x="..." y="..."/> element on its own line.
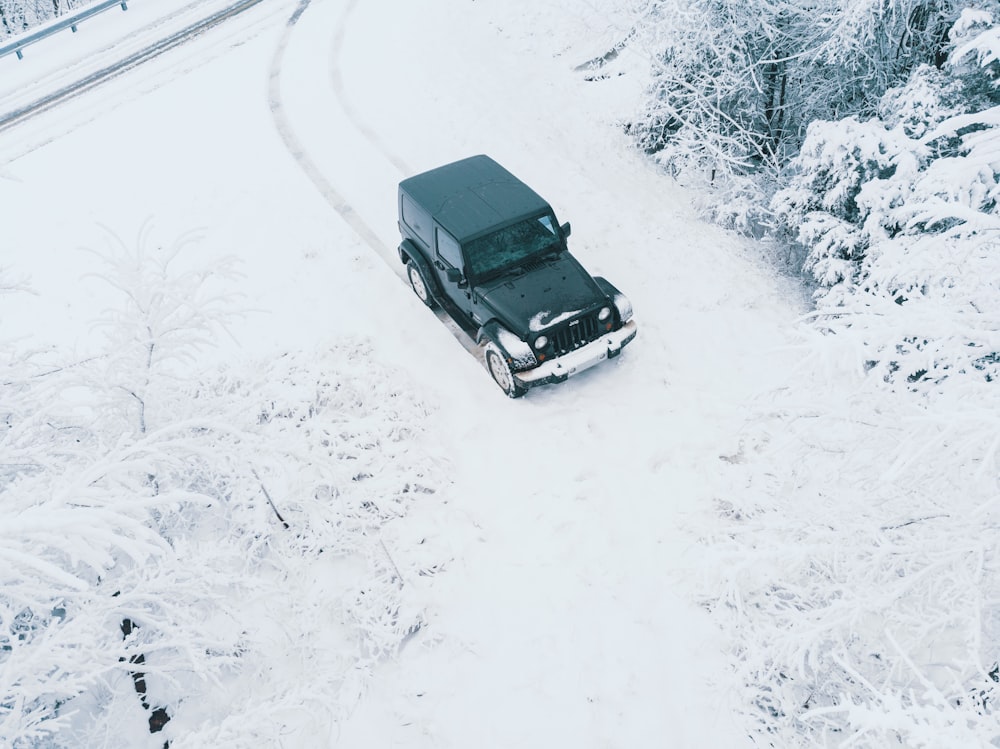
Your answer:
<point x="409" y="252"/>
<point x="517" y="352"/>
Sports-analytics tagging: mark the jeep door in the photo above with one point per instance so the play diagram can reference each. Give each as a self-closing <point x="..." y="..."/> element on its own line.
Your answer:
<point x="450" y="267"/>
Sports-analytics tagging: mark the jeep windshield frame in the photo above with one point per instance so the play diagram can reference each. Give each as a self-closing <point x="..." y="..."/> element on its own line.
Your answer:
<point x="505" y="249"/>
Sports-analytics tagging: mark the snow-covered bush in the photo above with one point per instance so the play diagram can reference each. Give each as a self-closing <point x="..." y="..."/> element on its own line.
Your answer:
<point x="169" y="315"/>
<point x="856" y="570"/>
<point x="821" y="201"/>
<point x="235" y="539"/>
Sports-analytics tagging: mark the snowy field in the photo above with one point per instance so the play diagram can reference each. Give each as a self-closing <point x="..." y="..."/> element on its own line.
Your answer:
<point x="551" y="551"/>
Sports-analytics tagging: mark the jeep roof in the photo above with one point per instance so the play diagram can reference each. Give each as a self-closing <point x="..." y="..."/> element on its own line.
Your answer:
<point x="473" y="196"/>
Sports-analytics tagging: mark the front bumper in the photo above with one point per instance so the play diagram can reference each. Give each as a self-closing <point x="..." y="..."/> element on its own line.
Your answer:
<point x="608" y="346"/>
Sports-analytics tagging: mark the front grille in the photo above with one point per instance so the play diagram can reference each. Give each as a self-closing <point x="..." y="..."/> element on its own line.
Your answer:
<point x="575" y="334"/>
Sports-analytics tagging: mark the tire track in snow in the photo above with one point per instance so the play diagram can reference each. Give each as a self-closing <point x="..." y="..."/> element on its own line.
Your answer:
<point x="340" y="92"/>
<point x="337" y="201"/>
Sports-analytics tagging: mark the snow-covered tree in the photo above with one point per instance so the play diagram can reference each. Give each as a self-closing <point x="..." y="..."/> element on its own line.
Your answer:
<point x="736" y="84"/>
<point x="899" y="215"/>
<point x="17" y="16"/>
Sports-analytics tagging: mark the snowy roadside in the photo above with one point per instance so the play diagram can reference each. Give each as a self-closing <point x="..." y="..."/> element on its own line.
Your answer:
<point x="67" y="56"/>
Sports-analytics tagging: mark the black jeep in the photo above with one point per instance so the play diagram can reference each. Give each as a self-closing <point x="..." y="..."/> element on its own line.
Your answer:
<point x="484" y="246"/>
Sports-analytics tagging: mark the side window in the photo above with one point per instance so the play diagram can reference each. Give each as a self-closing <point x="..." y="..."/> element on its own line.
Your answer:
<point x="416" y="219"/>
<point x="448" y="250"/>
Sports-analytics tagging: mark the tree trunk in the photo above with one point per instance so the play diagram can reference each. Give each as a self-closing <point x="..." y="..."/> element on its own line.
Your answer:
<point x="775" y="88"/>
<point x="158" y="717"/>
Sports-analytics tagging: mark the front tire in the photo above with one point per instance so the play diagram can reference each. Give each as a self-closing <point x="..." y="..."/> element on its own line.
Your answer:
<point x="419" y="285"/>
<point x="501" y="374"/>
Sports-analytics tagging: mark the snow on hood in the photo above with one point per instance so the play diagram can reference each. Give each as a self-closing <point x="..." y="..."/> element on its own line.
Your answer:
<point x="544" y="296"/>
<point x="546" y="319"/>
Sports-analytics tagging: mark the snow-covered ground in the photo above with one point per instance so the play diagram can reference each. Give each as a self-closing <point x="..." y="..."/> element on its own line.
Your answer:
<point x="565" y="615"/>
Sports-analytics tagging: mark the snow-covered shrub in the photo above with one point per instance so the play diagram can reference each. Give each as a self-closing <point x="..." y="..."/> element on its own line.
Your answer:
<point x="737" y="202"/>
<point x="242" y="532"/>
<point x="857" y="567"/>
<point x="820" y="204"/>
<point x="929" y="97"/>
<point x="170" y="313"/>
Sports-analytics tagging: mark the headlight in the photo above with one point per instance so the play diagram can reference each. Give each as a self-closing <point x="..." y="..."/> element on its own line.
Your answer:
<point x="604" y="314"/>
<point x="541" y="342"/>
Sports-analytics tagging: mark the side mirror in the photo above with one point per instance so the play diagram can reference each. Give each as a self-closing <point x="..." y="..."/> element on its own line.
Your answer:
<point x="454" y="275"/>
<point x="565" y="228"/>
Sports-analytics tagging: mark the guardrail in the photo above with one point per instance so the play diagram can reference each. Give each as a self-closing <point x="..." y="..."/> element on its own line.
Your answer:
<point x="66" y="22"/>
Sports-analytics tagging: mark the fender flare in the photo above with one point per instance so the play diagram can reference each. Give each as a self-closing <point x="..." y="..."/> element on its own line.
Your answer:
<point x="620" y="301"/>
<point x="408" y="251"/>
<point x="517" y="352"/>
<point x="606" y="286"/>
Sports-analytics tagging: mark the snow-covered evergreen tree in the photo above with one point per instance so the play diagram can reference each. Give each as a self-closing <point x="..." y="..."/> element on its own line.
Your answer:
<point x="899" y="217"/>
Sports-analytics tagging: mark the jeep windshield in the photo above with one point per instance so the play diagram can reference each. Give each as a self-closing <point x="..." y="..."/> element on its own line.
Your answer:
<point x="507" y="248"/>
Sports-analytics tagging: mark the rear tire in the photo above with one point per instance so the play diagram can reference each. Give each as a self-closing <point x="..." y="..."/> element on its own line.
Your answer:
<point x="501" y="374"/>
<point x="419" y="284"/>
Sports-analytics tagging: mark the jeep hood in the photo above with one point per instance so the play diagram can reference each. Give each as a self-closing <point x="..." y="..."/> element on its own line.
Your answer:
<point x="549" y="292"/>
